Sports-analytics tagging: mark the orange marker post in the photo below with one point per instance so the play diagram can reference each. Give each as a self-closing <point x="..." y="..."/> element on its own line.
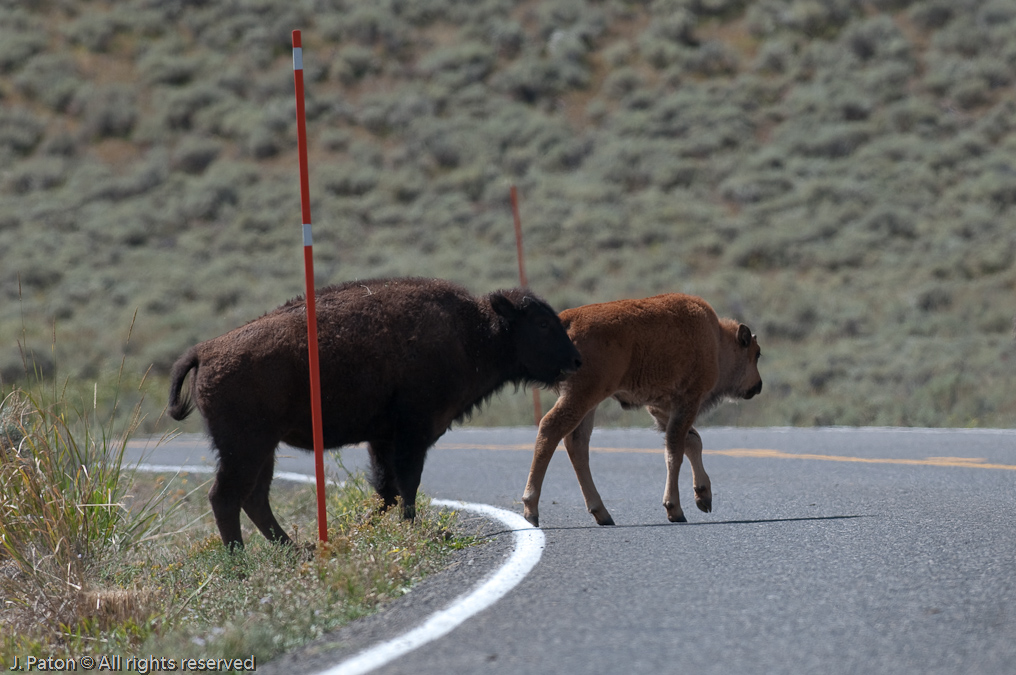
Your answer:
<point x="308" y="260"/>
<point x="537" y="409"/>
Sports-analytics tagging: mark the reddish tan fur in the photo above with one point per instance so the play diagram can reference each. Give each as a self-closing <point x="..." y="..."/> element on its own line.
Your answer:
<point x="669" y="353"/>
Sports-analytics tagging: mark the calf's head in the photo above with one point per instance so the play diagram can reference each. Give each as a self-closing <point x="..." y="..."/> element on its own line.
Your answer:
<point x="544" y="352"/>
<point x="748" y="380"/>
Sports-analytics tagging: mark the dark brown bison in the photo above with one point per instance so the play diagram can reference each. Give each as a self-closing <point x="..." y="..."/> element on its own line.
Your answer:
<point x="669" y="353"/>
<point x="401" y="360"/>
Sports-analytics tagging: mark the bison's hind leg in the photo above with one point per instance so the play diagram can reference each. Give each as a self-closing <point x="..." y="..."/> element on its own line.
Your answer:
<point x="226" y="500"/>
<point x="258" y="509"/>
<point x="241" y="479"/>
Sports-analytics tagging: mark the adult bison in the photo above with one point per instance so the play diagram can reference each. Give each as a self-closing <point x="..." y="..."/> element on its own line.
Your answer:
<point x="401" y="359"/>
<point x="669" y="353"/>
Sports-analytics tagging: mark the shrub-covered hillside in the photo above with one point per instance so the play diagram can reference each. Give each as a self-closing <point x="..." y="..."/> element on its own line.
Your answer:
<point x="839" y="174"/>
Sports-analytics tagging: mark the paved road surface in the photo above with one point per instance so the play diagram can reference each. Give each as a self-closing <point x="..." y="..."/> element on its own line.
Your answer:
<point x="828" y="551"/>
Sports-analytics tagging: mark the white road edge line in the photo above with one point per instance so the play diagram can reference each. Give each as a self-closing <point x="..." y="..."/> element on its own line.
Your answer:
<point x="199" y="468"/>
<point x="529" y="544"/>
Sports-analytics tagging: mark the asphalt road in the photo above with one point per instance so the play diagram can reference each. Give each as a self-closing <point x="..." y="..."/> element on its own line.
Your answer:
<point x="827" y="551"/>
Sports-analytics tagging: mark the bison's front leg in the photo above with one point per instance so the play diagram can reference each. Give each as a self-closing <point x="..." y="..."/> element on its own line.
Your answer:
<point x="678" y="427"/>
<point x="411" y="451"/>
<point x="397" y="467"/>
<point x="699" y="478"/>
<point x="382" y="476"/>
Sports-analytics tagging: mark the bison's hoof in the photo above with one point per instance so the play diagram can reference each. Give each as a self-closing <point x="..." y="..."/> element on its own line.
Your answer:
<point x="676" y="518"/>
<point x="603" y="519"/>
<point x="704" y="505"/>
<point x="533" y="519"/>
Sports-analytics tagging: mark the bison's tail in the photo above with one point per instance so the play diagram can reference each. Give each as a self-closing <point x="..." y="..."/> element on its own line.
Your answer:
<point x="181" y="406"/>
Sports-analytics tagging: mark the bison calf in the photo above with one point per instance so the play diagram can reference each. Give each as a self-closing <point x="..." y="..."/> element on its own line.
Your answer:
<point x="400" y="360"/>
<point x="669" y="353"/>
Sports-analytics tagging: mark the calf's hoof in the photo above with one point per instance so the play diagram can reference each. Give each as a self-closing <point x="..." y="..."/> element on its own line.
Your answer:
<point x="704" y="498"/>
<point x="602" y="517"/>
<point x="674" y="513"/>
<point x="533" y="518"/>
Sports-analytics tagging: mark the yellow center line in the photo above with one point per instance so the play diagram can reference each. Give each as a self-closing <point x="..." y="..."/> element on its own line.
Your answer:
<point x="964" y="462"/>
<point x="759" y="453"/>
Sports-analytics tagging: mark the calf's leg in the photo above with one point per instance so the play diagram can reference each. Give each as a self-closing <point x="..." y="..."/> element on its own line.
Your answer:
<point x="577" y="445"/>
<point x="676" y="434"/>
<point x="562" y="419"/>
<point x="700" y="480"/>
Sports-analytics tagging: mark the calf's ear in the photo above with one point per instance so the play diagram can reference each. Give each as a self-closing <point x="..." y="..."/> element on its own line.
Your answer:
<point x="503" y="306"/>
<point x="743" y="336"/>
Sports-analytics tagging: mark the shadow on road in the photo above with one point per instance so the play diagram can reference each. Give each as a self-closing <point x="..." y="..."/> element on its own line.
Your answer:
<point x="698" y="524"/>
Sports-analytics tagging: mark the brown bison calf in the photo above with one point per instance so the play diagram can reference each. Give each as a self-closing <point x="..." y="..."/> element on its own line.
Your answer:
<point x="401" y="359"/>
<point x="669" y="353"/>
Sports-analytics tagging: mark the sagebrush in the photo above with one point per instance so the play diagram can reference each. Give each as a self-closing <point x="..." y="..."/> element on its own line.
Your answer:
<point x="836" y="174"/>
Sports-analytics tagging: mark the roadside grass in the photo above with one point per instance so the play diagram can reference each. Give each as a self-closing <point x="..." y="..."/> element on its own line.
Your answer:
<point x="98" y="559"/>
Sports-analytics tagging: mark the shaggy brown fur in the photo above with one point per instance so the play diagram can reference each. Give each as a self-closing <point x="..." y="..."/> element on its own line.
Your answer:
<point x="401" y="359"/>
<point x="669" y="353"/>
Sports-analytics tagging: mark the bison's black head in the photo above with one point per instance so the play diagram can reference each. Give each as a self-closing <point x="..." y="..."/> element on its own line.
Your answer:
<point x="544" y="353"/>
